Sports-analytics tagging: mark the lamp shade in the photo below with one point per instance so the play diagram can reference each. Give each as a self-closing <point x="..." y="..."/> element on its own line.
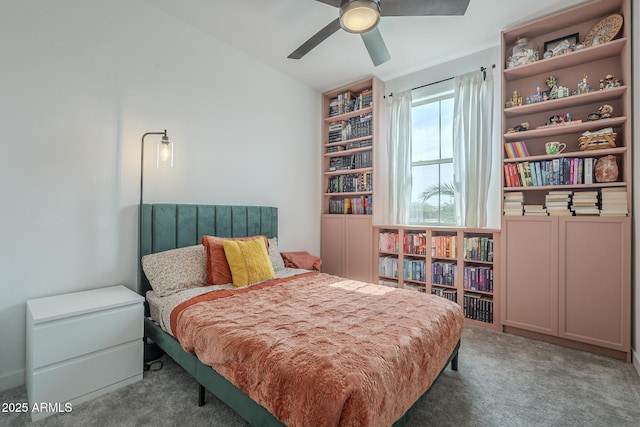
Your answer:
<point x="359" y="16"/>
<point x="164" y="153"/>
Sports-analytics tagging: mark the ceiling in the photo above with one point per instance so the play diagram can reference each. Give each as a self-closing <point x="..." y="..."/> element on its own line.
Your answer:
<point x="269" y="30"/>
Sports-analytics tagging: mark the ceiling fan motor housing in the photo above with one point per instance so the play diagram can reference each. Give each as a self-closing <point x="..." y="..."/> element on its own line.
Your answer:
<point x="359" y="16"/>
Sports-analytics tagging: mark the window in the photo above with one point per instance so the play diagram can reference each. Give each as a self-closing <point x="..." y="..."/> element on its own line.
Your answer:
<point x="432" y="190"/>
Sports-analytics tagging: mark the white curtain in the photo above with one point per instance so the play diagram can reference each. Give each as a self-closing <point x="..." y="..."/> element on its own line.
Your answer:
<point x="472" y="147"/>
<point x="398" y="121"/>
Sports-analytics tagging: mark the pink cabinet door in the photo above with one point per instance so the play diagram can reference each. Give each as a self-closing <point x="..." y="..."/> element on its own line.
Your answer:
<point x="333" y="244"/>
<point x="595" y="281"/>
<point x="359" y="248"/>
<point x="530" y="274"/>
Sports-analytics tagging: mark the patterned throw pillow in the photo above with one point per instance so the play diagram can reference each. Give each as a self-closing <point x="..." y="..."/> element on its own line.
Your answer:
<point x="176" y="269"/>
<point x="274" y="254"/>
<point x="249" y="261"/>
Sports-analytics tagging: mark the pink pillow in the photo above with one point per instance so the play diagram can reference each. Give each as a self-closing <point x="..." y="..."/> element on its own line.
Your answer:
<point x="218" y="271"/>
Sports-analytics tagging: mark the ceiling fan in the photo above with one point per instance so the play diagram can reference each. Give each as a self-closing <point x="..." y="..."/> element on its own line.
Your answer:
<point x="362" y="17"/>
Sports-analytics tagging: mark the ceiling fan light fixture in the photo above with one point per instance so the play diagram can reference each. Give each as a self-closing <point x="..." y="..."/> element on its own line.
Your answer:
<point x="359" y="16"/>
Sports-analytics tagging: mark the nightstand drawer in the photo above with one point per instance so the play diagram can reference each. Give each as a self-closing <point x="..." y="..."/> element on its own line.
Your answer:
<point x="72" y="379"/>
<point x="66" y="338"/>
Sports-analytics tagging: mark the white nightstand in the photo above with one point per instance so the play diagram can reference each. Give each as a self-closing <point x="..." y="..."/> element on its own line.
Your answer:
<point x="82" y="345"/>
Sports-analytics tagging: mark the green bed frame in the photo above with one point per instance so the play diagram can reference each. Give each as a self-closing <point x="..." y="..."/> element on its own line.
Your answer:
<point x="171" y="226"/>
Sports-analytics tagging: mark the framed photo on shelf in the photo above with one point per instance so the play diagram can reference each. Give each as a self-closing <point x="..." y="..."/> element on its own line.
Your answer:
<point x="553" y="45"/>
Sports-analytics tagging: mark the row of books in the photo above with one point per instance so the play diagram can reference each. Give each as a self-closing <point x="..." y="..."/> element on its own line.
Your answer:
<point x="350" y="145"/>
<point x="348" y="101"/>
<point x="478" y="248"/>
<point x="361" y="205"/>
<point x="414" y="287"/>
<point x="450" y="294"/>
<point x="354" y="127"/>
<point x="478" y="307"/>
<point x="388" y="241"/>
<point x="359" y="160"/>
<point x="444" y="246"/>
<point x="608" y="201"/>
<point x="443" y="273"/>
<point x="350" y="182"/>
<point x="388" y="266"/>
<point x="415" y="243"/>
<point x="561" y="171"/>
<point x="478" y="278"/>
<point x="414" y="269"/>
<point x="388" y="283"/>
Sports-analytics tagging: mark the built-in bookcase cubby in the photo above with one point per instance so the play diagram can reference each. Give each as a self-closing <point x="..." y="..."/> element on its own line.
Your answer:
<point x="454" y="263"/>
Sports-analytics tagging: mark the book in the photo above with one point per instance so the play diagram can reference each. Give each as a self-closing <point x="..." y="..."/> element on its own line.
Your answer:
<point x="514" y="150"/>
<point x="515" y="176"/>
<point x="588" y="170"/>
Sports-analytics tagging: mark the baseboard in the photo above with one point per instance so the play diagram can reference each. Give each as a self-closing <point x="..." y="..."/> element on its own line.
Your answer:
<point x="636" y="360"/>
<point x="12" y="380"/>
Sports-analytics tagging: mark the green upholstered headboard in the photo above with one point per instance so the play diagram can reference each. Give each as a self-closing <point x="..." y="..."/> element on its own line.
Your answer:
<point x="170" y="226"/>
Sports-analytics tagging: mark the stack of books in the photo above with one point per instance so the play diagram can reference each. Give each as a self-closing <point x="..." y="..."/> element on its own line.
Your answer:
<point x="557" y="203"/>
<point x="535" y="210"/>
<point x="513" y="203"/>
<point x="613" y="201"/>
<point x="585" y="203"/>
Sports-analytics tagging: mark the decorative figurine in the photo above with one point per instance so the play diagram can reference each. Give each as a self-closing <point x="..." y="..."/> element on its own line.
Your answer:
<point x="605" y="111"/>
<point x="559" y="119"/>
<point x="609" y="81"/>
<point x="516" y="100"/>
<point x="537" y="96"/>
<point x="594" y="115"/>
<point x="552" y="82"/>
<point x="563" y="92"/>
<point x="583" y="86"/>
<point x="519" y="128"/>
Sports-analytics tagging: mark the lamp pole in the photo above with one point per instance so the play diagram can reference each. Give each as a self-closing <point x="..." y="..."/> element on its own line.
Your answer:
<point x="164" y="138"/>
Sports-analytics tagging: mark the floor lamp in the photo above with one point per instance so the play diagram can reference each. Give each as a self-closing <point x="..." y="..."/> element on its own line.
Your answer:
<point x="164" y="158"/>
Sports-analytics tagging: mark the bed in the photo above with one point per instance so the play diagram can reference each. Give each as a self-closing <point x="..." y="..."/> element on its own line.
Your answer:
<point x="304" y="348"/>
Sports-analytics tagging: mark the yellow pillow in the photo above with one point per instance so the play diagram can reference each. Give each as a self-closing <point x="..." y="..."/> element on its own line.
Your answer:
<point x="248" y="261"/>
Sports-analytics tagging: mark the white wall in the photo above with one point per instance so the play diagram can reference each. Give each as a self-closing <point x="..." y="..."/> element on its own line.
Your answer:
<point x="473" y="62"/>
<point x="80" y="82"/>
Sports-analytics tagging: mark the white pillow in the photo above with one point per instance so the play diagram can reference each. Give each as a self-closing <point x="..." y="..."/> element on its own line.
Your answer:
<point x="176" y="269"/>
<point x="276" y="259"/>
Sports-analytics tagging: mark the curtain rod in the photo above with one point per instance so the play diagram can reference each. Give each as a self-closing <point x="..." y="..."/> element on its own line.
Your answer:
<point x="484" y="77"/>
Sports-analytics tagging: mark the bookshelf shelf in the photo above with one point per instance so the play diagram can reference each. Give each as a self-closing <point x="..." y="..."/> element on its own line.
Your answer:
<point x="348" y="171"/>
<point x="558" y="232"/>
<point x="569" y="128"/>
<point x="444" y="276"/>
<point x="551" y="65"/>
<point x="588" y="153"/>
<point x="570" y="101"/>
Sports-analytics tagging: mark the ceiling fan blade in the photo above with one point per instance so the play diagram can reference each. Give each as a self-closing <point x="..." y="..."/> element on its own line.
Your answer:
<point x="423" y="8"/>
<point x="335" y="3"/>
<point x="376" y="47"/>
<point x="316" y="39"/>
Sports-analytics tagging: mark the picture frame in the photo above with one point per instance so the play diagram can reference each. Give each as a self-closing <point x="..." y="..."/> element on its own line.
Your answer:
<point x="551" y="44"/>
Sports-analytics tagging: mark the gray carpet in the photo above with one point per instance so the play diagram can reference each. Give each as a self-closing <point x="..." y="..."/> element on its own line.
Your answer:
<point x="503" y="380"/>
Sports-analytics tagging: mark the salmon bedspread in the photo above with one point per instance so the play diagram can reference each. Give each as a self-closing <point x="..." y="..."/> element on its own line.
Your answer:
<point x="320" y="350"/>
